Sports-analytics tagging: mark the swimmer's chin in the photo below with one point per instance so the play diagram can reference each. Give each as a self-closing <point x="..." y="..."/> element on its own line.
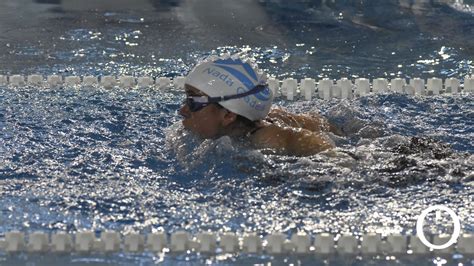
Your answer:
<point x="188" y="131"/>
<point x="185" y="125"/>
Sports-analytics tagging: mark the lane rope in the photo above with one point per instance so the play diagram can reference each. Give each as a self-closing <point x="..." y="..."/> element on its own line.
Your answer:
<point x="218" y="243"/>
<point x="290" y="88"/>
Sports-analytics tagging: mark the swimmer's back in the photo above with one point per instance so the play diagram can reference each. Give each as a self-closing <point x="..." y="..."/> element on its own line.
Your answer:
<point x="286" y="133"/>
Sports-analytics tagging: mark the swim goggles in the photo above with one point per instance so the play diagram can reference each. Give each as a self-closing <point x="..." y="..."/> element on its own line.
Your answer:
<point x="196" y="103"/>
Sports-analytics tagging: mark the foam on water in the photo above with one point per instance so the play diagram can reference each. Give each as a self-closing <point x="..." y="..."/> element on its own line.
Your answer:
<point x="120" y="159"/>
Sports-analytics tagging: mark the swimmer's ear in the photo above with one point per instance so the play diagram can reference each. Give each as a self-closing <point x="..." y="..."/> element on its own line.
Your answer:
<point x="229" y="118"/>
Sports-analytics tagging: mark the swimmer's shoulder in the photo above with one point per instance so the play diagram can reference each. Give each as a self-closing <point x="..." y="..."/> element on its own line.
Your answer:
<point x="269" y="135"/>
<point x="311" y="121"/>
<point x="289" y="140"/>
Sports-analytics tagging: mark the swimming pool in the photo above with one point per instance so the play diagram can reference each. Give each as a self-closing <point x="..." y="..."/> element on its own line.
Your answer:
<point x="92" y="158"/>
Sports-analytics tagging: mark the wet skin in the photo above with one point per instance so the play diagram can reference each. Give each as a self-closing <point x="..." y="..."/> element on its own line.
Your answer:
<point x="287" y="133"/>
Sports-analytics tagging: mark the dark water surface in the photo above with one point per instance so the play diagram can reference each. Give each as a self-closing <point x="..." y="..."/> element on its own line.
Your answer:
<point x="289" y="38"/>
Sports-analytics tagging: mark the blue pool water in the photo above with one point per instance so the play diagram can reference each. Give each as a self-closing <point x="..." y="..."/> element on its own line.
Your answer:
<point x="94" y="158"/>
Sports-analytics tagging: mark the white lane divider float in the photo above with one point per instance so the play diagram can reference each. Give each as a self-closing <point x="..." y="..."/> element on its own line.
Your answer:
<point x="212" y="243"/>
<point x="308" y="88"/>
<point x="127" y="81"/>
<point x="17" y="80"/>
<point x="163" y="82"/>
<point x="380" y="85"/>
<point x="144" y="82"/>
<point x="3" y="80"/>
<point x="274" y="85"/>
<point x="90" y="81"/>
<point x="289" y="88"/>
<point x="397" y="85"/>
<point x="72" y="81"/>
<point x="345" y="88"/>
<point x="362" y="86"/>
<point x="324" y="89"/>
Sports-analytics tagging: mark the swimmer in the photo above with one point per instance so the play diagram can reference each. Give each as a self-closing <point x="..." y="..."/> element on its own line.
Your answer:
<point x="229" y="97"/>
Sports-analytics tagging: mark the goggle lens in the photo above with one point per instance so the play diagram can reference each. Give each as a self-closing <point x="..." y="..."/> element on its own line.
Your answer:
<point x="193" y="105"/>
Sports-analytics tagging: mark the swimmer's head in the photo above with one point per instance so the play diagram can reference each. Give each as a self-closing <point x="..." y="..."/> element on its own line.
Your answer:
<point x="240" y="85"/>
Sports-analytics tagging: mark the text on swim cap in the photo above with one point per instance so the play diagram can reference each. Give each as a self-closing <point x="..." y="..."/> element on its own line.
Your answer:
<point x="257" y="105"/>
<point x="221" y="76"/>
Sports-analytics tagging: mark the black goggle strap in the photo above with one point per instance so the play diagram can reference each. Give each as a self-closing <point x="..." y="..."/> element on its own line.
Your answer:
<point x="206" y="99"/>
<point x="254" y="90"/>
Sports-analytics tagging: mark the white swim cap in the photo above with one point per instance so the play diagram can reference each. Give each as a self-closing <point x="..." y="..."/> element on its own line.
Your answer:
<point x="225" y="77"/>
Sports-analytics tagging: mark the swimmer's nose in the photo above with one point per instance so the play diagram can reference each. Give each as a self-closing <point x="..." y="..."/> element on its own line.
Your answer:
<point x="184" y="111"/>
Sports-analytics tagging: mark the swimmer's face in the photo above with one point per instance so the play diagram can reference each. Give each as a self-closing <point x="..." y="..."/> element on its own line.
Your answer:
<point x="207" y="122"/>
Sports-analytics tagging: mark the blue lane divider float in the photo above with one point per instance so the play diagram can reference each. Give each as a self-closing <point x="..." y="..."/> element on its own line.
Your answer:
<point x="289" y="88"/>
<point x="323" y="244"/>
